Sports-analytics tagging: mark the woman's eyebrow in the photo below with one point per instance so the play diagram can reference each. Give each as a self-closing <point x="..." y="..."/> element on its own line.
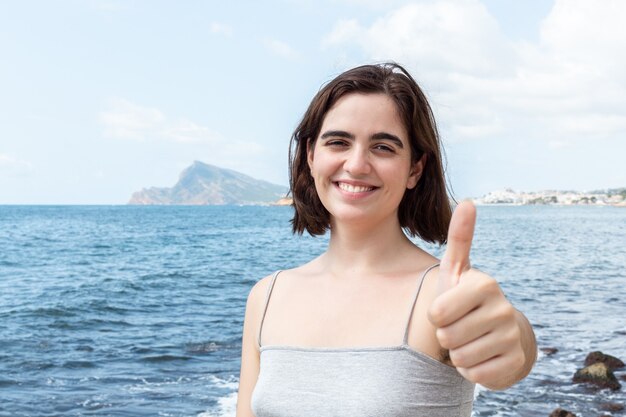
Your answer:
<point x="337" y="133"/>
<point x="388" y="136"/>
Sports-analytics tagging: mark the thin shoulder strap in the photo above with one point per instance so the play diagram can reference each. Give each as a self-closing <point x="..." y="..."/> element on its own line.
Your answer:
<point x="405" y="340"/>
<point x="267" y="301"/>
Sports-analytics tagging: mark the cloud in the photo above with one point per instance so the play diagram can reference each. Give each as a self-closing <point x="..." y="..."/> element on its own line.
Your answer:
<point x="570" y="83"/>
<point x="372" y="4"/>
<point x="221" y="29"/>
<point x="344" y="31"/>
<point x="557" y="144"/>
<point x="127" y="120"/>
<point x="458" y="35"/>
<point x="186" y="131"/>
<point x="13" y="165"/>
<point x="282" y="49"/>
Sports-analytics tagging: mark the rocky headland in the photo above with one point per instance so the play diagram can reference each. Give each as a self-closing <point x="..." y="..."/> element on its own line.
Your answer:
<point x="204" y="184"/>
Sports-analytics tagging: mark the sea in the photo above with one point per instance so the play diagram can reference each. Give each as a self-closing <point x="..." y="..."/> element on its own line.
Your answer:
<point x="138" y="310"/>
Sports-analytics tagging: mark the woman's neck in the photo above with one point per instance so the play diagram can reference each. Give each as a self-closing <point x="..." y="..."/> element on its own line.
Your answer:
<point x="356" y="250"/>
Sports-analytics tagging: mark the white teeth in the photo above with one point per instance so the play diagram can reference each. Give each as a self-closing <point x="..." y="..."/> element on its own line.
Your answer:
<point x="354" y="188"/>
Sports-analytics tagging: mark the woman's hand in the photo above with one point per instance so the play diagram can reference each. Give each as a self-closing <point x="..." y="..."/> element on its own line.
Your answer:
<point x="490" y="342"/>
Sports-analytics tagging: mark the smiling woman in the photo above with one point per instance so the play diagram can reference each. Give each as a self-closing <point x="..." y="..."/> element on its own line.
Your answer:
<point x="375" y="325"/>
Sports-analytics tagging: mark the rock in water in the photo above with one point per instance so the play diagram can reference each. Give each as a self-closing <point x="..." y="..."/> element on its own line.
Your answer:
<point x="549" y="350"/>
<point x="612" y="362"/>
<point x="613" y="407"/>
<point x="559" y="412"/>
<point x="598" y="374"/>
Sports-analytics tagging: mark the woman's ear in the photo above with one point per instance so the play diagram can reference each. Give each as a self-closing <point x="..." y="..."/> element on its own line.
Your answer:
<point x="416" y="172"/>
<point x="309" y="153"/>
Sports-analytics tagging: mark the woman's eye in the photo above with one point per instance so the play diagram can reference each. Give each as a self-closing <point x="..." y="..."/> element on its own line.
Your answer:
<point x="385" y="148"/>
<point x="336" y="143"/>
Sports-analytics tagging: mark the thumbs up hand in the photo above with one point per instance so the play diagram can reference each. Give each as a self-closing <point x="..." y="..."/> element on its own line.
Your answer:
<point x="483" y="332"/>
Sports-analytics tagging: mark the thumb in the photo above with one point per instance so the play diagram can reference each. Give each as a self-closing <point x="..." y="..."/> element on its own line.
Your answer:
<point x="456" y="258"/>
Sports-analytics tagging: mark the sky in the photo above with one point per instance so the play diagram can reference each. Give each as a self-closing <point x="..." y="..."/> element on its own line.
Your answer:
<point x="101" y="98"/>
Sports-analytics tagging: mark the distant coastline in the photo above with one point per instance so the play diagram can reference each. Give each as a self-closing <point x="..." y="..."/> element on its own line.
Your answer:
<point x="205" y="184"/>
<point x="611" y="197"/>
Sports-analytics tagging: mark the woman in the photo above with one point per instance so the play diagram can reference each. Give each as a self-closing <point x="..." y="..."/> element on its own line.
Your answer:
<point x="375" y="326"/>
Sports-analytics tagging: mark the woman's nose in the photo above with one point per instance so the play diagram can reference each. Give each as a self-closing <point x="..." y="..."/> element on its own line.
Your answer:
<point x="357" y="162"/>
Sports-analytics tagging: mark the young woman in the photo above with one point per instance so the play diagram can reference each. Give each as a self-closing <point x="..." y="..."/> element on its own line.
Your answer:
<point x="375" y="326"/>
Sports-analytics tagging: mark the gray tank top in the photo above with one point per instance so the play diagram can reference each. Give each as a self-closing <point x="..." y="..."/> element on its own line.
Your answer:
<point x="390" y="381"/>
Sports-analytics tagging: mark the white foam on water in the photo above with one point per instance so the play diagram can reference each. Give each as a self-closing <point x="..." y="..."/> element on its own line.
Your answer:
<point x="479" y="388"/>
<point x="227" y="404"/>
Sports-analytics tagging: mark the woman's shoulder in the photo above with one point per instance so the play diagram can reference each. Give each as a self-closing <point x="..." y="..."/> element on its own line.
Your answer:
<point x="259" y="290"/>
<point x="257" y="297"/>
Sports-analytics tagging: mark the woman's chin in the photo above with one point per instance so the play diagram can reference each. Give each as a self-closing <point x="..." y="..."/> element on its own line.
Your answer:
<point x="355" y="216"/>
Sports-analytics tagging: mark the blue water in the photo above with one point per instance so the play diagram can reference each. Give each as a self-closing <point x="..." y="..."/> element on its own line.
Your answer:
<point x="137" y="311"/>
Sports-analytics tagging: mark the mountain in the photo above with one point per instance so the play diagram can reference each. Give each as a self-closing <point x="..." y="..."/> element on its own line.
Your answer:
<point x="204" y="184"/>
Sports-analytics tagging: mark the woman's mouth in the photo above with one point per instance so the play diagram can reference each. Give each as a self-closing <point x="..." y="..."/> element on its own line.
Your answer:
<point x="354" y="190"/>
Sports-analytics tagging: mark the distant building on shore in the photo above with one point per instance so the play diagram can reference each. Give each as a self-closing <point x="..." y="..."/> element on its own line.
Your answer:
<point x="611" y="197"/>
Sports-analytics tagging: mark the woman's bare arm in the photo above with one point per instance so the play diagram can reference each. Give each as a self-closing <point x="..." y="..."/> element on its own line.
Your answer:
<point x="249" y="348"/>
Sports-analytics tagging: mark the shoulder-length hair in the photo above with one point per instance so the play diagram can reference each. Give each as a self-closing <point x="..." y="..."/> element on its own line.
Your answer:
<point x="425" y="209"/>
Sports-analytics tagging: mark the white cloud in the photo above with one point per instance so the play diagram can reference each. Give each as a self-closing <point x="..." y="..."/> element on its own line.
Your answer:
<point x="372" y="4"/>
<point x="127" y="120"/>
<point x="557" y="144"/>
<point x="221" y="28"/>
<point x="189" y="132"/>
<point x="14" y="165"/>
<point x="569" y="84"/>
<point x="280" y="48"/>
<point x="457" y="35"/>
<point x="576" y="25"/>
<point x="345" y="30"/>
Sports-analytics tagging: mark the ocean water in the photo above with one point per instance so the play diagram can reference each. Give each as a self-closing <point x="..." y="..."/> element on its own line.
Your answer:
<point x="137" y="311"/>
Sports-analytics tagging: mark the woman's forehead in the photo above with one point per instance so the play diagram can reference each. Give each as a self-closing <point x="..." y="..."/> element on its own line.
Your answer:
<point x="364" y="113"/>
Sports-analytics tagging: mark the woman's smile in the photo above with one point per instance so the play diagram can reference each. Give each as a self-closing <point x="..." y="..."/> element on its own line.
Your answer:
<point x="354" y="190"/>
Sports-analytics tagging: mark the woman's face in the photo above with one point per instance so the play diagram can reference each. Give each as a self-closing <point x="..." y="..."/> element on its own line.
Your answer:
<point x="361" y="160"/>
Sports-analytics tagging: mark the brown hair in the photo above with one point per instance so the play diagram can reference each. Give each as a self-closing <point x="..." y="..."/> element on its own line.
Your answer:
<point x="425" y="209"/>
